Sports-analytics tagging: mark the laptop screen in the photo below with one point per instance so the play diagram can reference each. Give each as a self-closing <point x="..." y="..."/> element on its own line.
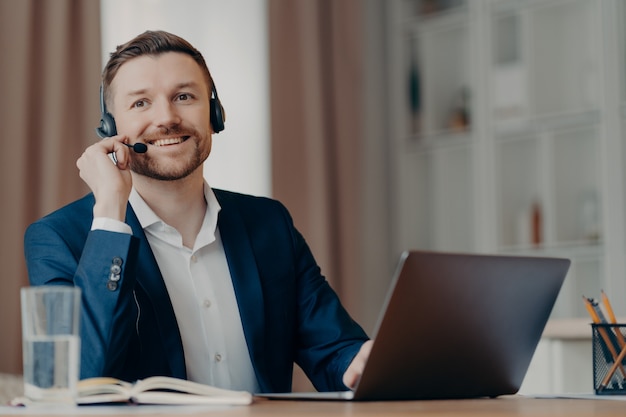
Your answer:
<point x="460" y="325"/>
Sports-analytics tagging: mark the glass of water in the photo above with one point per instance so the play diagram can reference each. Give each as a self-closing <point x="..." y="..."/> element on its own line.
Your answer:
<point x="51" y="343"/>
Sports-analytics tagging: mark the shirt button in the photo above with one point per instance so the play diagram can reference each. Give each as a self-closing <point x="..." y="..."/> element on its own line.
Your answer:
<point x="207" y="303"/>
<point x="218" y="357"/>
<point x="194" y="259"/>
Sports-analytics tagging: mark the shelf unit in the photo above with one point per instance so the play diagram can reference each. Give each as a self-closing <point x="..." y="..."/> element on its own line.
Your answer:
<point x="508" y="134"/>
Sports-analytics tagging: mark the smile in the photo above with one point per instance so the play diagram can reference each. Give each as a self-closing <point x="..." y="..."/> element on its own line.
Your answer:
<point x="169" y="141"/>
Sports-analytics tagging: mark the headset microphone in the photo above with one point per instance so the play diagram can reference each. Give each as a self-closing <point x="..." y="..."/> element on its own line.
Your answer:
<point x="138" y="147"/>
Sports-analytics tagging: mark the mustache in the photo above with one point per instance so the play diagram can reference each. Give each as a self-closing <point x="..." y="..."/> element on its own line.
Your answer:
<point x="170" y="131"/>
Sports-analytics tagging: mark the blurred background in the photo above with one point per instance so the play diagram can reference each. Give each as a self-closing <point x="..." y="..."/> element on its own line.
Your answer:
<point x="491" y="126"/>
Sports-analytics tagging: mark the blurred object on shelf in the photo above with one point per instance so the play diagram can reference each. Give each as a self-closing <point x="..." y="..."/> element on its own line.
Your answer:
<point x="590" y="219"/>
<point x="428" y="7"/>
<point x="460" y="116"/>
<point x="536" y="224"/>
<point x="415" y="99"/>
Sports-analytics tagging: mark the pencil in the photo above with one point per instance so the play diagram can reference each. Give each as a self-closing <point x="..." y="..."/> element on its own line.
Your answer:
<point x="607" y="306"/>
<point x="612" y="319"/>
<point x="592" y="311"/>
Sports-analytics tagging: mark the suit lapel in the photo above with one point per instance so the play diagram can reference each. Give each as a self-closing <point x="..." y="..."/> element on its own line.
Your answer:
<point x="150" y="280"/>
<point x="246" y="280"/>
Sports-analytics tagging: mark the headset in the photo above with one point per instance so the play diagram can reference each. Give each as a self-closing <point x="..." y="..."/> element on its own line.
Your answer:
<point x="107" y="126"/>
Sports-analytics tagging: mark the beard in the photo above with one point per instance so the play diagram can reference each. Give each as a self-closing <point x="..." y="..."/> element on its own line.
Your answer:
<point x="144" y="164"/>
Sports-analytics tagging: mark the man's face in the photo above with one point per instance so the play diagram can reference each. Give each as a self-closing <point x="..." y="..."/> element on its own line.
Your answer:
<point x="163" y="101"/>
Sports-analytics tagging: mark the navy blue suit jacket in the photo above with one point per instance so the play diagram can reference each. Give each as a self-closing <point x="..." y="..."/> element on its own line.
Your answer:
<point x="288" y="311"/>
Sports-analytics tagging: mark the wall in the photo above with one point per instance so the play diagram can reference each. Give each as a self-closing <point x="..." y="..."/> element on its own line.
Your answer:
<point x="232" y="36"/>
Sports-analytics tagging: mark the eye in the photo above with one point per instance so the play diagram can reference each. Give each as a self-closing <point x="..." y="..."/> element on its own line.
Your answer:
<point x="139" y="104"/>
<point x="184" y="97"/>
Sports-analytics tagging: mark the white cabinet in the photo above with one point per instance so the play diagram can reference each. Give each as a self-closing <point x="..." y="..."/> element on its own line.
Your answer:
<point x="560" y="366"/>
<point x="507" y="122"/>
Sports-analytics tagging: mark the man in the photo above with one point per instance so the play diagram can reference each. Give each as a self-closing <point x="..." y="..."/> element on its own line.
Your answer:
<point x="179" y="279"/>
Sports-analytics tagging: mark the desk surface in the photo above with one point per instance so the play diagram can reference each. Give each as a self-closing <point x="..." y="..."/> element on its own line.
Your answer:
<point x="504" y="406"/>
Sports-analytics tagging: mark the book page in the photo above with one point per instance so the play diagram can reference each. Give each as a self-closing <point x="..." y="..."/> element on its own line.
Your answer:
<point x="157" y="390"/>
<point x="160" y="383"/>
<point x="104" y="390"/>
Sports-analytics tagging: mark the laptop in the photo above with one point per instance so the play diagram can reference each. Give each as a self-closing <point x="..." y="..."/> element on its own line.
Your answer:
<point x="456" y="326"/>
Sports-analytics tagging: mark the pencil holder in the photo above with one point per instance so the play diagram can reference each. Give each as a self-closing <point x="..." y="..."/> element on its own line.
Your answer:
<point x="609" y="358"/>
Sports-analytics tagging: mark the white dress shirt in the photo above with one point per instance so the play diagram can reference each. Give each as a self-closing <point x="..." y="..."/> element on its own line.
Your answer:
<point x="200" y="288"/>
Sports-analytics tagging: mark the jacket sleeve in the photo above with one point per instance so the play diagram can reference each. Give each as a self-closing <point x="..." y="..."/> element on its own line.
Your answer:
<point x="328" y="338"/>
<point x="305" y="320"/>
<point x="100" y="263"/>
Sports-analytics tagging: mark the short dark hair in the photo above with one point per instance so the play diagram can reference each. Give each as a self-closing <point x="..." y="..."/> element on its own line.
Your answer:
<point x="151" y="43"/>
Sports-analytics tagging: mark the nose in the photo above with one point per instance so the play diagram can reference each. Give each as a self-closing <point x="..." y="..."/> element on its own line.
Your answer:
<point x="165" y="114"/>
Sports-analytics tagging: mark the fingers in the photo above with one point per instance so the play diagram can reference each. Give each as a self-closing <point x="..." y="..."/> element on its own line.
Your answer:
<point x="101" y="151"/>
<point x="119" y="152"/>
<point x="355" y="370"/>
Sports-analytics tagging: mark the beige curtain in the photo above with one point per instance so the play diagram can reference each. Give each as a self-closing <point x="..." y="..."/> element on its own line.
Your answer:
<point x="49" y="80"/>
<point x="316" y="108"/>
<point x="316" y="86"/>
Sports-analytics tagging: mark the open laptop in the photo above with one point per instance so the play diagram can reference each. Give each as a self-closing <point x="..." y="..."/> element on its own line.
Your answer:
<point x="456" y="326"/>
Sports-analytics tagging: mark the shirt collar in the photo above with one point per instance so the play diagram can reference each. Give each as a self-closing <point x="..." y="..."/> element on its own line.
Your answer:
<point x="147" y="217"/>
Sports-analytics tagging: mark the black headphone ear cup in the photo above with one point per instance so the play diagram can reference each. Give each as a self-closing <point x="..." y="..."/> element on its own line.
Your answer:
<point x="107" y="126"/>
<point x="217" y="115"/>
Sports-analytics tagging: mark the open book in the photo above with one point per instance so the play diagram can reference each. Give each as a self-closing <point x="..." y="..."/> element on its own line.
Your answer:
<point x="157" y="390"/>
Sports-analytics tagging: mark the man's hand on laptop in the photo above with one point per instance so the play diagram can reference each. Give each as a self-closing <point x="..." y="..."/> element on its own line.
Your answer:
<point x="354" y="371"/>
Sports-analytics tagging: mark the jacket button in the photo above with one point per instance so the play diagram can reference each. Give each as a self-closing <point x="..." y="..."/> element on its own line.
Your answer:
<point x="116" y="269"/>
<point x="117" y="261"/>
<point x="112" y="285"/>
